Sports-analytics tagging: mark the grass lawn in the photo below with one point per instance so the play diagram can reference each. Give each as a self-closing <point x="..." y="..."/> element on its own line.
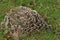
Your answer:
<point x="50" y="8"/>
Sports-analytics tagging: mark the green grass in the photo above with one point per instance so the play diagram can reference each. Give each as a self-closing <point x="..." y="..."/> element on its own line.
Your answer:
<point x="51" y="8"/>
